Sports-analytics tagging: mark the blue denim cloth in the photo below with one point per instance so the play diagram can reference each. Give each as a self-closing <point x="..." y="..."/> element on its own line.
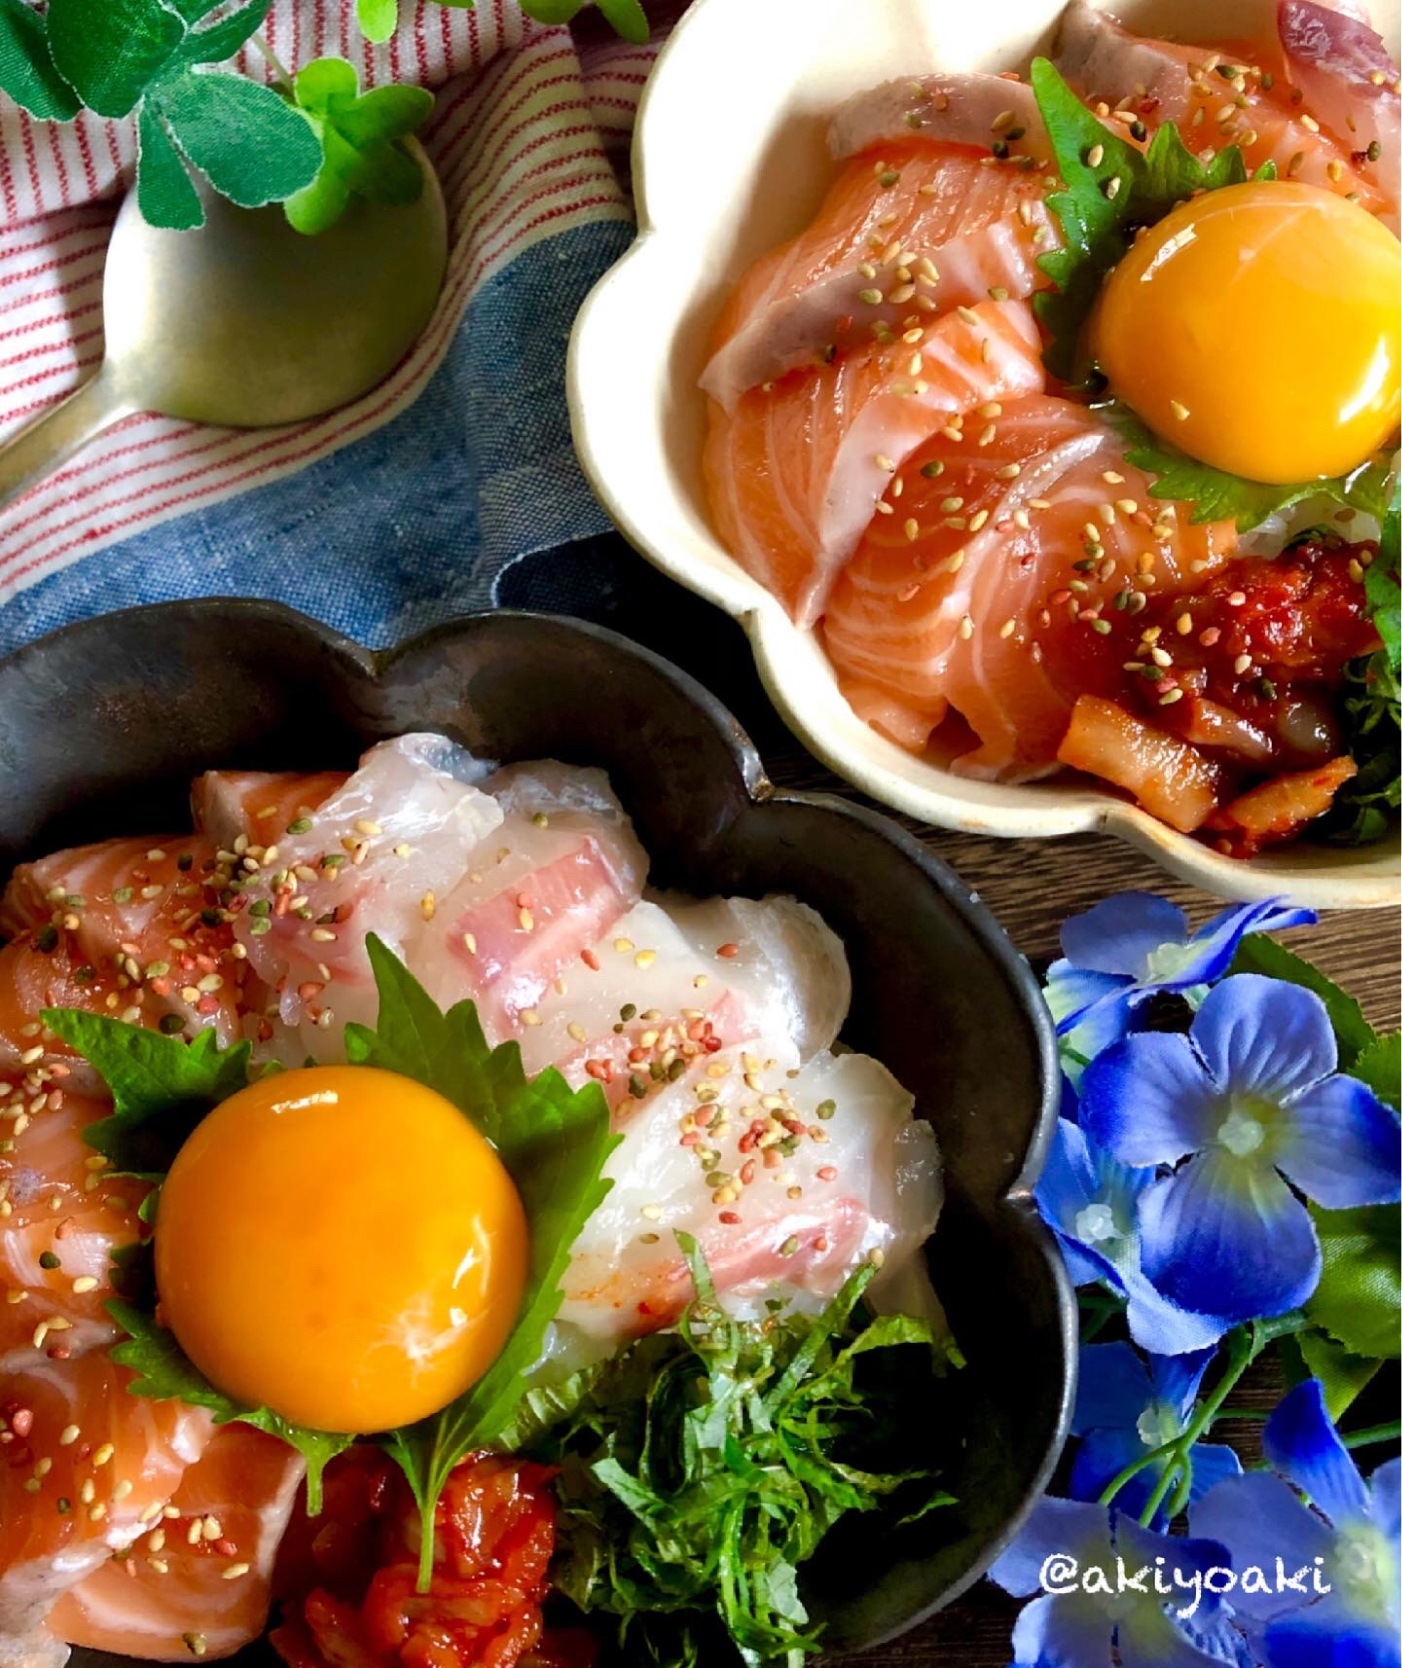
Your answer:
<point x="411" y="524"/>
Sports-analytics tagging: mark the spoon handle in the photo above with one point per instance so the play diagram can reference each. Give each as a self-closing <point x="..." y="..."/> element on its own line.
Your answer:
<point x="58" y="433"/>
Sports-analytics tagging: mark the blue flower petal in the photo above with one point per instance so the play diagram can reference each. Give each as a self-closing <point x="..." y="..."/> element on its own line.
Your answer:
<point x="1120" y="934"/>
<point x="1301" y="1443"/>
<point x="1261" y="1519"/>
<point x="1070" y="991"/>
<point x="1385" y="1485"/>
<point x="1112" y="1389"/>
<point x="1264" y="1036"/>
<point x="1163" y="1327"/>
<point x="1098" y="1028"/>
<point x="1329" y="1635"/>
<point x="1063" y="1631"/>
<point x="1077" y="1174"/>
<point x="1341" y="1145"/>
<point x="1213" y="1463"/>
<point x="1214" y="945"/>
<point x="1101" y="1457"/>
<point x="1148" y="1100"/>
<point x="1080" y="1531"/>
<point x="1177" y="1378"/>
<point x="1226" y="1236"/>
<point x="1150" y="1637"/>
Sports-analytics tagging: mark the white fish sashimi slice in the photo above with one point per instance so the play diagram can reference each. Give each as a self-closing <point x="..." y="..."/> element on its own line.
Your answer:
<point x="376" y="856"/>
<point x="781" y="955"/>
<point x="787" y="1180"/>
<point x="559" y="870"/>
<point x="677" y="980"/>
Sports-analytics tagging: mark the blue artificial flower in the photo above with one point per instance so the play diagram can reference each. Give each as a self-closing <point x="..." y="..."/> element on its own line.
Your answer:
<point x="1060" y="1546"/>
<point x="1354" y="1527"/>
<point x="1127" y="1406"/>
<point x="1128" y="948"/>
<point x="1092" y="1205"/>
<point x="1251" y="1093"/>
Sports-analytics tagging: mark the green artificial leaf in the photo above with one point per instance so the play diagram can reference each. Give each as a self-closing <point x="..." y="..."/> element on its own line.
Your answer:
<point x="160" y="1086"/>
<point x="1358" y="1301"/>
<point x="547" y="11"/>
<point x="27" y="71"/>
<point x="164" y="1371"/>
<point x="1217" y="495"/>
<point x="1258" y="954"/>
<point x="219" y="41"/>
<point x="361" y="137"/>
<point x="554" y="1142"/>
<point x="109" y="51"/>
<point x="627" y="18"/>
<point x="164" y="190"/>
<point x="251" y="145"/>
<point x="378" y="19"/>
<point x="1343" y="1376"/>
<point x="701" y="1469"/>
<point x="1380" y="1067"/>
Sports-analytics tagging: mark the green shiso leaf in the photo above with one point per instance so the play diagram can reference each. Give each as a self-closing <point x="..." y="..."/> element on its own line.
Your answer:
<point x="161" y="1086"/>
<point x="1217" y="495"/>
<point x="553" y="1140"/>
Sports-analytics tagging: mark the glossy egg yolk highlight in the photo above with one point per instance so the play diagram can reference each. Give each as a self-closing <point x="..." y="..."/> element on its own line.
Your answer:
<point x="340" y="1244"/>
<point x="1256" y="328"/>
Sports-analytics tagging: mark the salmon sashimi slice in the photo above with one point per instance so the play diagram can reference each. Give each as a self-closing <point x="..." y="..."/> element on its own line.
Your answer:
<point x="61" y="1219"/>
<point x="143" y="914"/>
<point x="85" y="1467"/>
<point x="259" y="806"/>
<point x="796" y="472"/>
<point x="960" y="109"/>
<point x="557" y="873"/>
<point x="371" y="858"/>
<point x="985" y="591"/>
<point x="1250" y="106"/>
<point x="39" y="970"/>
<point x="171" y="1597"/>
<point x="820" y="1166"/>
<point x="905" y="232"/>
<point x="1350" y="85"/>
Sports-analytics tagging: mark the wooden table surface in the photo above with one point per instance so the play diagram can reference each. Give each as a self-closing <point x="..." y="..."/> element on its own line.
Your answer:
<point x="1030" y="885"/>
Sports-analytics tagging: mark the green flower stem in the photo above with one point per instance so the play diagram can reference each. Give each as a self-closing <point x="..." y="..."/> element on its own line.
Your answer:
<point x="1117" y="1482"/>
<point x="1179" y="1501"/>
<point x="279" y="69"/>
<point x="1374" y="1433"/>
<point x="1177" y="1462"/>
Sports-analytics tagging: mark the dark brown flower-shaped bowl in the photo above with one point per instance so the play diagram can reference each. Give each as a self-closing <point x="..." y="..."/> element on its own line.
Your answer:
<point x="103" y="724"/>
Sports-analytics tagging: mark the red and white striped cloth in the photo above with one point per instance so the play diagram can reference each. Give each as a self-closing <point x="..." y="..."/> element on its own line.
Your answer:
<point x="528" y="136"/>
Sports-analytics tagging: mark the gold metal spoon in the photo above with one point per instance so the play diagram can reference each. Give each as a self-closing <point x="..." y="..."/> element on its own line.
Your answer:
<point x="245" y="322"/>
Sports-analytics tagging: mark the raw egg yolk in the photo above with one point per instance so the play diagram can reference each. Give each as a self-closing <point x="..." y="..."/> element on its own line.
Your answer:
<point x="1256" y="327"/>
<point x="341" y="1245"/>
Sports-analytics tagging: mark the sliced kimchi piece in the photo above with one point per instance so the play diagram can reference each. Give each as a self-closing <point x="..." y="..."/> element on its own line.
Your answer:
<point x="1168" y="777"/>
<point x="1278" y="809"/>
